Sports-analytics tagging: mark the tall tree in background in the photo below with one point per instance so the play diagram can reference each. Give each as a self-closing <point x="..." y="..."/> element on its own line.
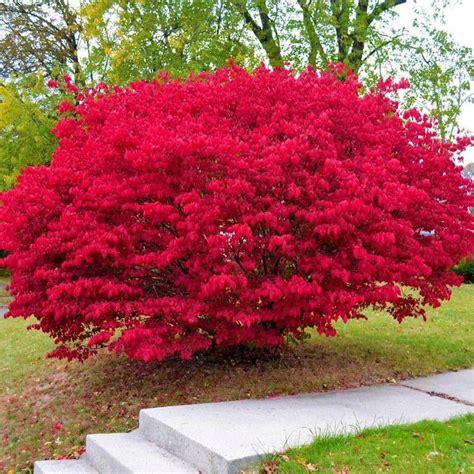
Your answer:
<point x="139" y="38"/>
<point x="121" y="40"/>
<point x="27" y="115"/>
<point x="38" y="39"/>
<point x="38" y="36"/>
<point x="323" y="30"/>
<point x="440" y="72"/>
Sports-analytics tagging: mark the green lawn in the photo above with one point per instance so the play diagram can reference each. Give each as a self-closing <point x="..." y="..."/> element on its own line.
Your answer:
<point x="428" y="446"/>
<point x="47" y="406"/>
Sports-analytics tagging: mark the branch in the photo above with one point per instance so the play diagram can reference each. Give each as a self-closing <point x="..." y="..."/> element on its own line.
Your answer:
<point x="383" y="7"/>
<point x="239" y="263"/>
<point x="256" y="28"/>
<point x="359" y="34"/>
<point x="263" y="33"/>
<point x="20" y="10"/>
<point x="341" y="14"/>
<point x="380" y="46"/>
<point x="314" y="41"/>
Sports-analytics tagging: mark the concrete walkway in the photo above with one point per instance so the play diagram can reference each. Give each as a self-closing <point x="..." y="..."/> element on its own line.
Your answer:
<point x="3" y="307"/>
<point x="226" y="437"/>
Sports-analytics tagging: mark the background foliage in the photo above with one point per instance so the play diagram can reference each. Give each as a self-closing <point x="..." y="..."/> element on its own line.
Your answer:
<point x="27" y="115"/>
<point x="117" y="41"/>
<point x="465" y="268"/>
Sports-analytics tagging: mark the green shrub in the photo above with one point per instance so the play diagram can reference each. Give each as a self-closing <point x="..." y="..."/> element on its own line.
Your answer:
<point x="466" y="268"/>
<point x="4" y="272"/>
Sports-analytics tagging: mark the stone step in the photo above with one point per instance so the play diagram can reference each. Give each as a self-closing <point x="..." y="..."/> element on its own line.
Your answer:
<point x="231" y="436"/>
<point x="225" y="438"/>
<point x="176" y="442"/>
<point x="76" y="466"/>
<point x="132" y="454"/>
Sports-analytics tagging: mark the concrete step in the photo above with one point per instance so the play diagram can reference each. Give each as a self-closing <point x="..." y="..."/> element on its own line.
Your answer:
<point x="132" y="454"/>
<point x="76" y="466"/>
<point x="225" y="438"/>
<point x="231" y="436"/>
<point x="171" y="438"/>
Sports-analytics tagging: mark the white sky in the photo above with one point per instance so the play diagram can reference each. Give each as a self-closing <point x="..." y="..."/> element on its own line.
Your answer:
<point x="459" y="23"/>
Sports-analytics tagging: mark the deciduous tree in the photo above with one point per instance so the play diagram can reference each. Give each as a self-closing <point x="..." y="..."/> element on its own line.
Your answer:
<point x="27" y="115"/>
<point x="137" y="39"/>
<point x="39" y="37"/>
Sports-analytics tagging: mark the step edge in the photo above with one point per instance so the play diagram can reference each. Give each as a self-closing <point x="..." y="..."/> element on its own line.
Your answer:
<point x="39" y="467"/>
<point x="98" y="444"/>
<point x="179" y="445"/>
<point x="95" y="452"/>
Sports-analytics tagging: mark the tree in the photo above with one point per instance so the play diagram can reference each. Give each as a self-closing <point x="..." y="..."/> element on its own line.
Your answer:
<point x="142" y="38"/>
<point x="441" y="73"/>
<point x="39" y="37"/>
<point x="38" y="40"/>
<point x="233" y="208"/>
<point x="330" y="30"/>
<point x="120" y="41"/>
<point x="27" y="115"/>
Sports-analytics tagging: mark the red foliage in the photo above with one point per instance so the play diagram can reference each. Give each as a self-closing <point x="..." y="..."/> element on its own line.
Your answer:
<point x="232" y="208"/>
<point x="52" y="84"/>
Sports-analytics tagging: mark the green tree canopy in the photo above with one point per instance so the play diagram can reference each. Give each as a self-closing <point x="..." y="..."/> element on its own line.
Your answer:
<point x="136" y="39"/>
<point x="27" y="114"/>
<point x="122" y="40"/>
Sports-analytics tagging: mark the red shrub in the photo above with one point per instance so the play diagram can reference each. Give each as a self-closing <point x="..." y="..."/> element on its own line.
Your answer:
<point x="232" y="208"/>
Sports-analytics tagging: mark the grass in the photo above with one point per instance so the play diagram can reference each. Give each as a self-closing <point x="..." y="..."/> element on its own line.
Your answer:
<point x="428" y="446"/>
<point x="47" y="406"/>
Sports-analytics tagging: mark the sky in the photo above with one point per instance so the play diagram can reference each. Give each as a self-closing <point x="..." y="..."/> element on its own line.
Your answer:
<point x="459" y="23"/>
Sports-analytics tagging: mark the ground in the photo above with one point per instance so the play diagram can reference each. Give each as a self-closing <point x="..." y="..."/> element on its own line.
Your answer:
<point x="428" y="446"/>
<point x="47" y="407"/>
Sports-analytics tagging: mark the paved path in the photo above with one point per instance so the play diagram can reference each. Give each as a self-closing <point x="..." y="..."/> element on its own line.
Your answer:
<point x="3" y="308"/>
<point x="225" y="437"/>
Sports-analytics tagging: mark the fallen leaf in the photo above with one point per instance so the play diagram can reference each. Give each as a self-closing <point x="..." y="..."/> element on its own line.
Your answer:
<point x="269" y="467"/>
